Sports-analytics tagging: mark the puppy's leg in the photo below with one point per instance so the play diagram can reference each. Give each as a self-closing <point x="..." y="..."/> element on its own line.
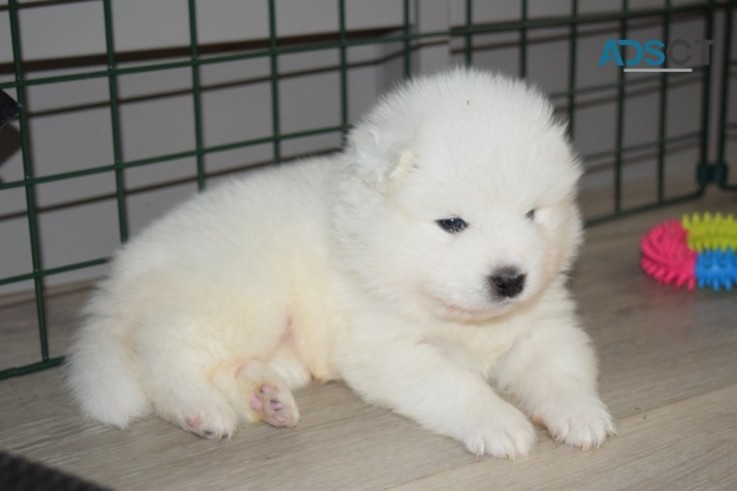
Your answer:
<point x="184" y="395"/>
<point x="553" y="372"/>
<point x="418" y="381"/>
<point x="258" y="393"/>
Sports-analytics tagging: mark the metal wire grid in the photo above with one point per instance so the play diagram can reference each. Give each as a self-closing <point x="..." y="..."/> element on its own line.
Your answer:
<point x="409" y="40"/>
<point x="726" y="128"/>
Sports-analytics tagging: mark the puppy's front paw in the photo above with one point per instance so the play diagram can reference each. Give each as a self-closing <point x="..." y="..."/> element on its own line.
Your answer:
<point x="579" y="421"/>
<point x="506" y="433"/>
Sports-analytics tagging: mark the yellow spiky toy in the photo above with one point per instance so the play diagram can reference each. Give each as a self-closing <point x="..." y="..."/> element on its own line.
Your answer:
<point x="709" y="231"/>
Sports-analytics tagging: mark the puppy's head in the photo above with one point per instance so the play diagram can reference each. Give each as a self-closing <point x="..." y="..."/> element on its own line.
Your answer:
<point x="458" y="199"/>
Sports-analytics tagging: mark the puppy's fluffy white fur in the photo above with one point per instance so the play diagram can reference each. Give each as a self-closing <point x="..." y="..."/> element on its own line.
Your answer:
<point x="337" y="267"/>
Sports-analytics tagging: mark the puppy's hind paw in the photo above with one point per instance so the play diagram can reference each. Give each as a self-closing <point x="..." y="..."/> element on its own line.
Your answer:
<point x="211" y="426"/>
<point x="274" y="405"/>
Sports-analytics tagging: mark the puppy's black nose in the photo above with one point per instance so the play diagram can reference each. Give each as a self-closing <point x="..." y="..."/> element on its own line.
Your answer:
<point x="507" y="282"/>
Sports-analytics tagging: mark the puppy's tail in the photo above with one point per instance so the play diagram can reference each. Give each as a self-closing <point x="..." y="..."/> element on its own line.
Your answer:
<point x="101" y="376"/>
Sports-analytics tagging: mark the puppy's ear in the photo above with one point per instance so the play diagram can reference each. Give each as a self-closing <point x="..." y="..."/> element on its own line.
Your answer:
<point x="380" y="160"/>
<point x="404" y="164"/>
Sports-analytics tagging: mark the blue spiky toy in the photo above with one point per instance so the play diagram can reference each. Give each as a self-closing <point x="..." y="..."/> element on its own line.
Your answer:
<point x="716" y="269"/>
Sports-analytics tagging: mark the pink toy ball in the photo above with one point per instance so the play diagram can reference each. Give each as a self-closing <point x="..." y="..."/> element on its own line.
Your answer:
<point x="698" y="250"/>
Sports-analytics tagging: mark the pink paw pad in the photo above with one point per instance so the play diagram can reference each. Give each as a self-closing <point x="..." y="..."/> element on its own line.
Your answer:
<point x="273" y="407"/>
<point x="193" y="422"/>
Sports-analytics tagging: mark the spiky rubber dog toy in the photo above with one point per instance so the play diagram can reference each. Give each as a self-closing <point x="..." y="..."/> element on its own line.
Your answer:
<point x="698" y="250"/>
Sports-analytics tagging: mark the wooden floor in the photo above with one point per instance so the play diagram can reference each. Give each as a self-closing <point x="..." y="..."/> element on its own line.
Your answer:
<point x="668" y="373"/>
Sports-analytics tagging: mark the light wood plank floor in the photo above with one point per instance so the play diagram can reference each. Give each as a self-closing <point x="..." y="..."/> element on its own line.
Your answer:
<point x="669" y="375"/>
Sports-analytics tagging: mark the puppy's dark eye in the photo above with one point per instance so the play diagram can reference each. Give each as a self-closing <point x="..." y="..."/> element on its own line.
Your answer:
<point x="530" y="214"/>
<point x="452" y="225"/>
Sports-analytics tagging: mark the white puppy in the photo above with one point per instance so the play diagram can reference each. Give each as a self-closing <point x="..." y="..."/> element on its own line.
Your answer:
<point x="423" y="265"/>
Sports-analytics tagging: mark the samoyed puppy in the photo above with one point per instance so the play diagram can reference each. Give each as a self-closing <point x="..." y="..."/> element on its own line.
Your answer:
<point x="424" y="265"/>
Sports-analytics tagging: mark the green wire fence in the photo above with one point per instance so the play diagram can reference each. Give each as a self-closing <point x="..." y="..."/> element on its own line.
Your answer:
<point x="410" y="39"/>
<point x="727" y="128"/>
